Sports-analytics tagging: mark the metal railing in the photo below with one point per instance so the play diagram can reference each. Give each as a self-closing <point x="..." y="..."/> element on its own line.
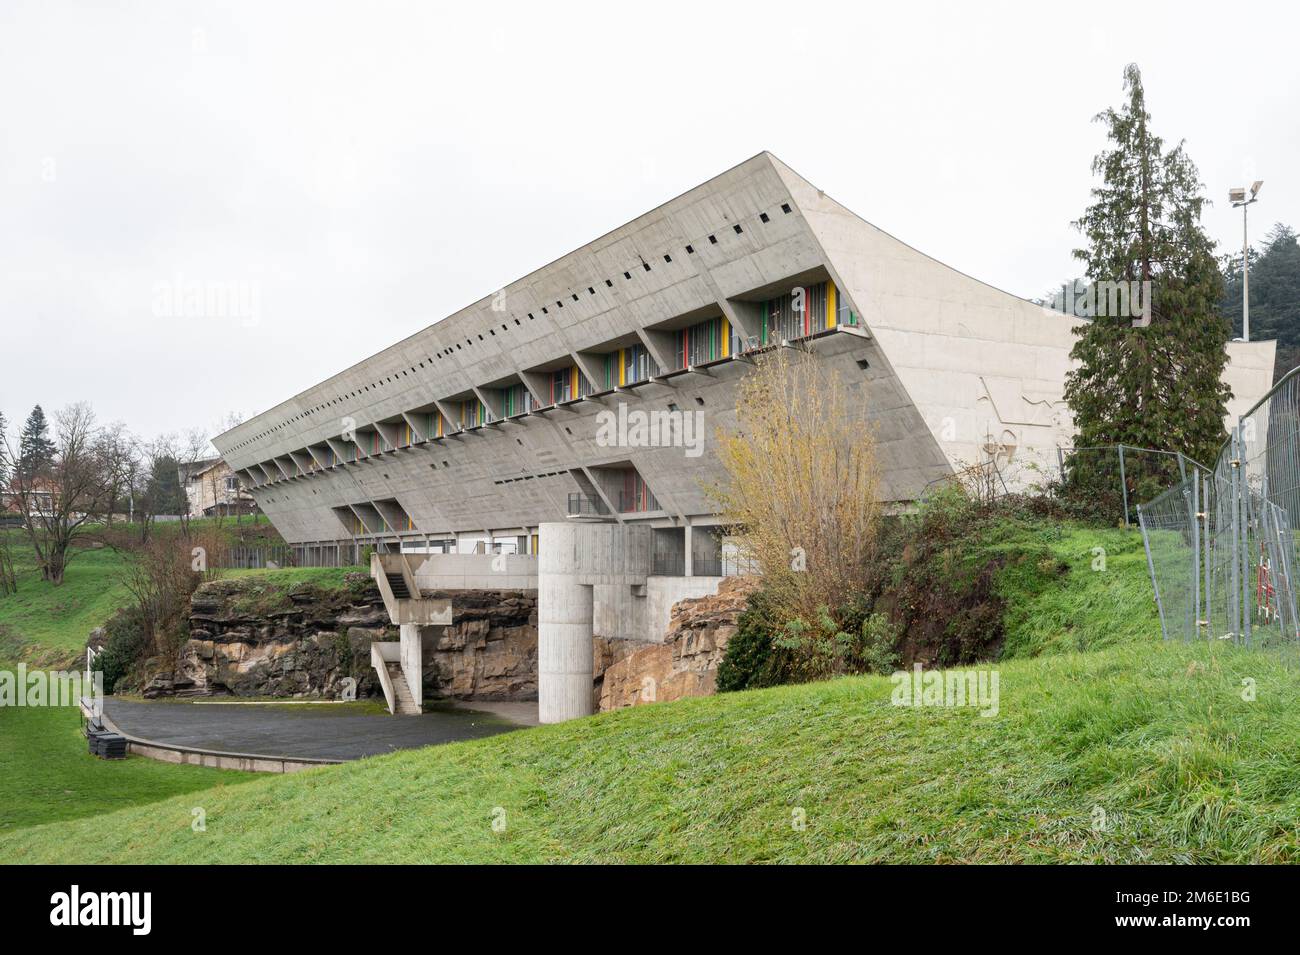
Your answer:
<point x="584" y="505"/>
<point x="669" y="565"/>
<point x="707" y="567"/>
<point x="1111" y="477"/>
<point x="1221" y="545"/>
<point x="1118" y="474"/>
<point x="255" y="557"/>
<point x="674" y="565"/>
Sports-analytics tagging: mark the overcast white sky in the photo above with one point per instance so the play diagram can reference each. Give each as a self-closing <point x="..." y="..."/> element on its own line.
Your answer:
<point x="368" y="168"/>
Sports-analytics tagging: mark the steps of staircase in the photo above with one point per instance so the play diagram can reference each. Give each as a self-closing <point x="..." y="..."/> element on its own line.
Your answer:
<point x="403" y="699"/>
<point x="397" y="584"/>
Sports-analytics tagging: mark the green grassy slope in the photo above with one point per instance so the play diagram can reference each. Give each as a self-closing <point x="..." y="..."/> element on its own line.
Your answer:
<point x="60" y="618"/>
<point x="1156" y="735"/>
<point x="56" y="621"/>
<point x="46" y="774"/>
<point x="1079" y="588"/>
<point x="1096" y="716"/>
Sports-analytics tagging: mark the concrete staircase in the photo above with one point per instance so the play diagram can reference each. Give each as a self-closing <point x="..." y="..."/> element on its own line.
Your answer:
<point x="403" y="702"/>
<point x="397" y="584"/>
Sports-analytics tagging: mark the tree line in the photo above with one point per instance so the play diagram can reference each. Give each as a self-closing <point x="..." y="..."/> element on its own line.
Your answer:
<point x="72" y="478"/>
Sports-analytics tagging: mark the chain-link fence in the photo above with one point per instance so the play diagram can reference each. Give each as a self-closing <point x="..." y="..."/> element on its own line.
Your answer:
<point x="1117" y="476"/>
<point x="1220" y="543"/>
<point x="1110" y="478"/>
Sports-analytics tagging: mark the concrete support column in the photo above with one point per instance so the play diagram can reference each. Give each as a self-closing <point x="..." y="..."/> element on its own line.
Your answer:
<point x="574" y="560"/>
<point x="412" y="657"/>
<point x="688" y="561"/>
<point x="565" y="610"/>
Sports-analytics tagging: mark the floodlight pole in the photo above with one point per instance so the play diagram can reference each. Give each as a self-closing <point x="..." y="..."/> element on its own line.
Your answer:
<point x="1245" y="274"/>
<point x="1238" y="198"/>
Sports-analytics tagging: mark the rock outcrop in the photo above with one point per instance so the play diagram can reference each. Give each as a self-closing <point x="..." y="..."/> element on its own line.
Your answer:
<point x="249" y="640"/>
<point x="490" y="650"/>
<point x="686" y="663"/>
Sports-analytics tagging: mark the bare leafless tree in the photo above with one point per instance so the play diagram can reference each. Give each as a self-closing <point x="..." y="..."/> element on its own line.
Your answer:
<point x="160" y="575"/>
<point x="59" y="501"/>
<point x="119" y="455"/>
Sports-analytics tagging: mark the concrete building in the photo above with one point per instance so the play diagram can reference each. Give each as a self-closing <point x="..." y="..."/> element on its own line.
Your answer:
<point x="504" y="425"/>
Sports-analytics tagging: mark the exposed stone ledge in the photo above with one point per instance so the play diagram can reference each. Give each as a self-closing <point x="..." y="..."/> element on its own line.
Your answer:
<point x="248" y="641"/>
<point x="686" y="663"/>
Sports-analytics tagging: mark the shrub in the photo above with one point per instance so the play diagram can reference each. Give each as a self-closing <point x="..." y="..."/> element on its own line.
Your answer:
<point x="827" y="649"/>
<point x="801" y="486"/>
<point x="936" y="595"/>
<point x="751" y="660"/>
<point x="127" y="644"/>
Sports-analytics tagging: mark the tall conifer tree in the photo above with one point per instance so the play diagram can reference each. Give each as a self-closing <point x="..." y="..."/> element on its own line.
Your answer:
<point x="35" y="449"/>
<point x="1156" y="385"/>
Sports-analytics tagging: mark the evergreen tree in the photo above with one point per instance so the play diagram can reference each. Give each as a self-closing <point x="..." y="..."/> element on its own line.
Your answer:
<point x="164" y="493"/>
<point x="1156" y="385"/>
<point x="1274" y="295"/>
<point x="35" y="449"/>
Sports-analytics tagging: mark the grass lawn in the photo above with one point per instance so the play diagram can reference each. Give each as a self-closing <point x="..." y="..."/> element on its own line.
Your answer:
<point x="46" y="775"/>
<point x="60" y="618"/>
<point x="1109" y="745"/>
<point x="57" y="620"/>
<point x="1102" y="600"/>
<point x="1156" y="736"/>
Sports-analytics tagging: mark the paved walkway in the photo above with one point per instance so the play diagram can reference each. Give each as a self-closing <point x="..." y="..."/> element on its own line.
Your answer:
<point x="318" y="731"/>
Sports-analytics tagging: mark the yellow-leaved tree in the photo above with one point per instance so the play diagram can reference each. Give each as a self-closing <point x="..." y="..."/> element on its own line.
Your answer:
<point x="801" y="493"/>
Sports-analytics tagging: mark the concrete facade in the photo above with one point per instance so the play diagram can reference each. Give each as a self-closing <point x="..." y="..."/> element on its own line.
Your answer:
<point x="952" y="372"/>
<point x="478" y="453"/>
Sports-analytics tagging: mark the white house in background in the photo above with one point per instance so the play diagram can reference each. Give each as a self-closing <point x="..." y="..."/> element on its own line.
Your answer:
<point x="213" y="489"/>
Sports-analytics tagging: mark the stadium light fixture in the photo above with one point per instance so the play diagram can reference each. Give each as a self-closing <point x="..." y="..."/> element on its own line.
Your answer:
<point x="1237" y="196"/>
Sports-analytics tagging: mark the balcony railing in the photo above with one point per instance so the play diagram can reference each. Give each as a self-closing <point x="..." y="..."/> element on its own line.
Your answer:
<point x="583" y="505"/>
<point x="674" y="565"/>
<point x="669" y="565"/>
<point x="706" y="566"/>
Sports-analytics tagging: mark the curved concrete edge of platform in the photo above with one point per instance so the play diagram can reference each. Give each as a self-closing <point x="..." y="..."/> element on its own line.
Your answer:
<point x="214" y="758"/>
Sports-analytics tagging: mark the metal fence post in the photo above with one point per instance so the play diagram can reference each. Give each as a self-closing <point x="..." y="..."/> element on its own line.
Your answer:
<point x="1235" y="509"/>
<point x="1195" y="528"/>
<point x="1285" y="542"/>
<point x="1123" y="484"/>
<point x="1205" y="523"/>
<point x="1247" y="609"/>
<point x="1151" y="569"/>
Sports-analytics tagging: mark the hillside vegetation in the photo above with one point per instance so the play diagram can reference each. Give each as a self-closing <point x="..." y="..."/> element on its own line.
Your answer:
<point x="1155" y="736"/>
<point x="52" y="622"/>
<point x="1108" y="745"/>
<point x="46" y="774"/>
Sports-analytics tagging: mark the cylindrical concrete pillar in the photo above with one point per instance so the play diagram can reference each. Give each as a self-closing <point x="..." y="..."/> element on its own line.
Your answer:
<point x="572" y="559"/>
<point x="564" y="650"/>
<point x="565" y="611"/>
